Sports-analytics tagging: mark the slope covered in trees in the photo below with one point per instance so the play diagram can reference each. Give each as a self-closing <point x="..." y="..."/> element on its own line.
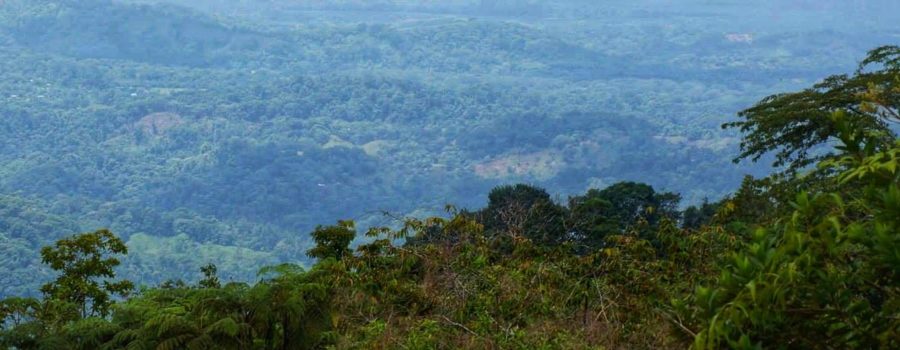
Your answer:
<point x="799" y="259"/>
<point x="226" y="134"/>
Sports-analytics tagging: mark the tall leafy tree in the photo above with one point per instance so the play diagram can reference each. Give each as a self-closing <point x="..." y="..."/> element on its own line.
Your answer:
<point x="210" y="276"/>
<point x="590" y="219"/>
<point x="86" y="263"/>
<point x="620" y="207"/>
<point x="794" y="125"/>
<point x="333" y="241"/>
<point x="523" y="211"/>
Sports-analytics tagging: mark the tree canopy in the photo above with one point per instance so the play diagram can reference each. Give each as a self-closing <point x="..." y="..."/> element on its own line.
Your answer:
<point x="86" y="264"/>
<point x="795" y="125"/>
<point x="218" y="145"/>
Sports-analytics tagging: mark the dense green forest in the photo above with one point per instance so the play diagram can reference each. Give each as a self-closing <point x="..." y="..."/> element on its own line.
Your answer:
<point x="807" y="257"/>
<point x="597" y="204"/>
<point x="225" y="132"/>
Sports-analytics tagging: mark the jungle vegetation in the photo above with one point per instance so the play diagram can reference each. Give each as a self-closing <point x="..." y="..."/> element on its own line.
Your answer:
<point x="808" y="257"/>
<point x="224" y="131"/>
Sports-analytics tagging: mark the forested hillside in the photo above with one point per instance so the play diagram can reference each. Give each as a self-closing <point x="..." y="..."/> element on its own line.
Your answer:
<point x="225" y="132"/>
<point x="807" y="257"/>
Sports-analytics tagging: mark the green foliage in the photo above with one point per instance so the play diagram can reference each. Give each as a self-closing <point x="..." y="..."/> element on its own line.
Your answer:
<point x="695" y="217"/>
<point x="627" y="204"/>
<point x="24" y="229"/>
<point x="218" y="137"/>
<point x="823" y="274"/>
<point x="828" y="268"/>
<point x="523" y="211"/>
<point x="237" y="128"/>
<point x="456" y="289"/>
<point x="86" y="265"/>
<point x="453" y="290"/>
<point x="825" y="277"/>
<point x="332" y="242"/>
<point x="210" y="277"/>
<point x="794" y="124"/>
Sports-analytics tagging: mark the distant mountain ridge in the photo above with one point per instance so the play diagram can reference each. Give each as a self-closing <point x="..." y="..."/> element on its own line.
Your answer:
<point x="106" y="29"/>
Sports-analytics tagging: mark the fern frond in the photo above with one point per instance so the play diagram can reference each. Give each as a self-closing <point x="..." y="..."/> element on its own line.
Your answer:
<point x="225" y="326"/>
<point x="175" y="343"/>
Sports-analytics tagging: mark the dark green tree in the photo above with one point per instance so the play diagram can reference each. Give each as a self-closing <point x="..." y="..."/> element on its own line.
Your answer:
<point x="694" y="217"/>
<point x="210" y="276"/>
<point x="524" y="211"/>
<point x="590" y="220"/>
<point x="291" y="307"/>
<point x="29" y="323"/>
<point x="632" y="201"/>
<point x="86" y="263"/>
<point x="333" y="241"/>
